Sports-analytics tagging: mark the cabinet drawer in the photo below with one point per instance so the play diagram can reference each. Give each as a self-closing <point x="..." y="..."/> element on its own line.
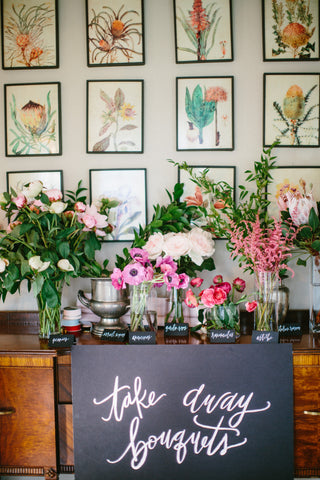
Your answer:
<point x="65" y="435"/>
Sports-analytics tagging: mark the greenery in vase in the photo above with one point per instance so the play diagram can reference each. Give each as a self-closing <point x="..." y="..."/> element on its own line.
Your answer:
<point x="49" y="240"/>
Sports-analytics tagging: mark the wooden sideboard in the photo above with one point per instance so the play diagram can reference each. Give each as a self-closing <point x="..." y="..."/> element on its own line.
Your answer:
<point x="36" y="429"/>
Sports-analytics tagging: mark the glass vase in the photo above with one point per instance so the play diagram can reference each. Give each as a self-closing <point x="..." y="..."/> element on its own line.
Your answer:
<point x="264" y="314"/>
<point x="223" y="317"/>
<point x="281" y="298"/>
<point x="175" y="313"/>
<point x="139" y="314"/>
<point x="49" y="318"/>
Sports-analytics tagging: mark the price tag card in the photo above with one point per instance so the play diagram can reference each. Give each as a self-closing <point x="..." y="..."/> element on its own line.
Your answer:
<point x="61" y="341"/>
<point x="222" y="336"/>
<point x="142" y="338"/>
<point x="176" y="329"/>
<point x="264" y="337"/>
<point x="290" y="330"/>
<point x="114" y="334"/>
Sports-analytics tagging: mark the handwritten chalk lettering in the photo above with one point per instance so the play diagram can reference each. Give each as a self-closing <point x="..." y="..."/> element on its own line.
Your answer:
<point x="176" y="329"/>
<point x="290" y="329"/>
<point x="126" y="396"/>
<point x="142" y="338"/>
<point x="222" y="336"/>
<point x="264" y="337"/>
<point x="61" y="341"/>
<point x="114" y="335"/>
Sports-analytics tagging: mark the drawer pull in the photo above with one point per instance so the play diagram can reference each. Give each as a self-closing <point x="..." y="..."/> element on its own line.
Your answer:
<point x="7" y="411"/>
<point x="310" y="412"/>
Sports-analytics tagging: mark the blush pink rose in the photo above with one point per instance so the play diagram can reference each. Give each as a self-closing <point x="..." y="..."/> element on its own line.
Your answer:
<point x="202" y="245"/>
<point x="154" y="245"/>
<point x="176" y="245"/>
<point x="251" y="306"/>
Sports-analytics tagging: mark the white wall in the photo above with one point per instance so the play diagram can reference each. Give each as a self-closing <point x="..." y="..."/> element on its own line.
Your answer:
<point x="159" y="75"/>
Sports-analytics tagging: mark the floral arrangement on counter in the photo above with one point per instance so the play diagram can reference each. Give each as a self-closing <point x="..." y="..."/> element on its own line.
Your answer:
<point x="146" y="274"/>
<point x="48" y="241"/>
<point x="218" y="307"/>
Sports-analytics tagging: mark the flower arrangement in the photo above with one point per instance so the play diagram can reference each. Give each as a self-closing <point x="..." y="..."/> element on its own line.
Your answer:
<point x="141" y="271"/>
<point x="48" y="241"/>
<point x="218" y="303"/>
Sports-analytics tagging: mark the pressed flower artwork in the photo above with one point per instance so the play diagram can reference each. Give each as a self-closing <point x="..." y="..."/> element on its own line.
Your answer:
<point x="203" y="31"/>
<point x="291" y="110"/>
<point x="32" y="117"/>
<point x="115" y="116"/>
<point x="300" y="181"/>
<point x="115" y="32"/>
<point x="194" y="195"/>
<point x="128" y="187"/>
<point x="29" y="34"/>
<point x="290" y="29"/>
<point x="204" y="113"/>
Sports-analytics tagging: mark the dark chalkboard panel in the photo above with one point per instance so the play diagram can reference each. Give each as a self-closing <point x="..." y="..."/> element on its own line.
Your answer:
<point x="183" y="412"/>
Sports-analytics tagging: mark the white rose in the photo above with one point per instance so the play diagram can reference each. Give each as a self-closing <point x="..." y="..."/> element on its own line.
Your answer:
<point x="33" y="190"/>
<point x="57" y="207"/>
<point x="154" y="245"/>
<point x="176" y="244"/>
<point x="3" y="264"/>
<point x="37" y="264"/>
<point x="202" y="245"/>
<point x="65" y="265"/>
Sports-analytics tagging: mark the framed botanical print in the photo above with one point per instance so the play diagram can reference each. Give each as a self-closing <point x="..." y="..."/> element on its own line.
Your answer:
<point x="115" y="116"/>
<point x="51" y="179"/>
<point x="115" y="32"/>
<point x="129" y="188"/>
<point x="29" y="32"/>
<point x="290" y="30"/>
<point x="193" y="195"/>
<point x="291" y="109"/>
<point x="303" y="179"/>
<point x="33" y="119"/>
<point x="203" y="31"/>
<point x="204" y="113"/>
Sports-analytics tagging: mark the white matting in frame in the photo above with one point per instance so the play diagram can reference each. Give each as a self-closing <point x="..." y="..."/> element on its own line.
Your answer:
<point x="50" y="179"/>
<point x="128" y="186"/>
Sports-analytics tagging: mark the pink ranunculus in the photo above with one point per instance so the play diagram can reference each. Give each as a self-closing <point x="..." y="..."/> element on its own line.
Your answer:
<point x="183" y="280"/>
<point x="202" y="245"/>
<point x="207" y="297"/>
<point x="20" y="201"/>
<point x="117" y="279"/>
<point x="299" y="208"/>
<point x="217" y="279"/>
<point x="154" y="245"/>
<point x="196" y="282"/>
<point x="54" y="194"/>
<point x="80" y="207"/>
<point x="176" y="245"/>
<point x="239" y="284"/>
<point x="225" y="286"/>
<point x="251" y="306"/>
<point x="191" y="300"/>
<point x="219" y="295"/>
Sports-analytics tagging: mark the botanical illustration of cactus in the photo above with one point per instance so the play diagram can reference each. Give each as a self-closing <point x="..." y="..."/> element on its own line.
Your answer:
<point x="293" y="117"/>
<point x="34" y="127"/>
<point x="293" y="27"/>
<point x="115" y="117"/>
<point x="24" y="35"/>
<point x="200" y="25"/>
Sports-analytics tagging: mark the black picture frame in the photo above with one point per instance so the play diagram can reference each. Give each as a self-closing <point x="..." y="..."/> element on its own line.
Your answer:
<point x="291" y="109"/>
<point x="122" y="102"/>
<point x="290" y="32"/>
<point x="33" y="119"/>
<point x="30" y="34"/>
<point x="129" y="187"/>
<point x="109" y="46"/>
<point x="199" y="124"/>
<point x="213" y="41"/>
<point x="49" y="178"/>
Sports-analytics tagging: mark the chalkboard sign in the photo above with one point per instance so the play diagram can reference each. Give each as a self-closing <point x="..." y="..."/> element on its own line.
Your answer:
<point x="58" y="340"/>
<point x="264" y="337"/>
<point x="176" y="329"/>
<point x="114" y="334"/>
<point x="222" y="336"/>
<point x="155" y="412"/>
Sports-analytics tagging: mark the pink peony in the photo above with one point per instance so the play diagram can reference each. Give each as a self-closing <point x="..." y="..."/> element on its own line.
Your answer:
<point x="20" y="201"/>
<point x="239" y="284"/>
<point x="299" y="208"/>
<point x="54" y="194"/>
<point x="196" y="282"/>
<point x="251" y="306"/>
<point x="93" y="220"/>
<point x="80" y="207"/>
<point x="191" y="300"/>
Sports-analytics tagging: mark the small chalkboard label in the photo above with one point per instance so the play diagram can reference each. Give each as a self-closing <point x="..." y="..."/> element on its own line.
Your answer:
<point x="176" y="329"/>
<point x="222" y="336"/>
<point x="114" y="335"/>
<point x="61" y="341"/>
<point x="142" y="338"/>
<point x="264" y="337"/>
<point x="290" y="330"/>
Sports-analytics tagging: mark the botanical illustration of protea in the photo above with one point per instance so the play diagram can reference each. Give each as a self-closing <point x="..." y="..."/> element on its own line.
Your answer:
<point x="293" y="28"/>
<point x="24" y="36"/>
<point x="115" y="37"/>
